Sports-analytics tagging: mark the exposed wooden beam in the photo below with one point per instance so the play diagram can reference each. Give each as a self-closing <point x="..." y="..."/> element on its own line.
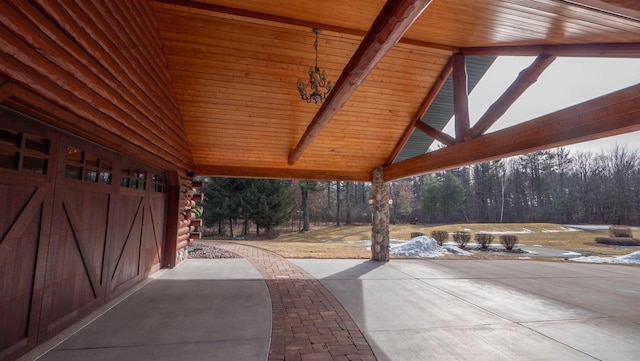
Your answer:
<point x="280" y="173"/>
<point x="629" y="9"/>
<point x="297" y="22"/>
<point x="426" y="103"/>
<point x="436" y="134"/>
<point x="525" y="79"/>
<point x="611" y="114"/>
<point x="392" y="22"/>
<point x="460" y="96"/>
<point x="620" y="50"/>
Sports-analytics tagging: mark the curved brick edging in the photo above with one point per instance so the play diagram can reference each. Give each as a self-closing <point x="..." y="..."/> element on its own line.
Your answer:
<point x="308" y="321"/>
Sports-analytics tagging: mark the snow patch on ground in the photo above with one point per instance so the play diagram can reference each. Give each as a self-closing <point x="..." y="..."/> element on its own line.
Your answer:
<point x="588" y="227"/>
<point x="523" y="231"/>
<point x="425" y="247"/>
<point x="571" y="254"/>
<point x="562" y="229"/>
<point x="633" y="258"/>
<point x="456" y="250"/>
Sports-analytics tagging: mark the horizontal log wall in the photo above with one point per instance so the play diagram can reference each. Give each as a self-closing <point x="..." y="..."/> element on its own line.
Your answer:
<point x="96" y="69"/>
<point x="188" y="220"/>
<point x="101" y="61"/>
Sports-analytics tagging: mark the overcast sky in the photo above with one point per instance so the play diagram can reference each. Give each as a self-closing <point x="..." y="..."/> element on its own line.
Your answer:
<point x="566" y="82"/>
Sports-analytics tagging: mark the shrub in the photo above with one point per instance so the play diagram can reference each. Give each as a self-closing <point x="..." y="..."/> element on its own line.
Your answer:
<point x="461" y="238"/>
<point x="508" y="241"/>
<point x="416" y="234"/>
<point x="620" y="232"/>
<point x="440" y="236"/>
<point x="483" y="239"/>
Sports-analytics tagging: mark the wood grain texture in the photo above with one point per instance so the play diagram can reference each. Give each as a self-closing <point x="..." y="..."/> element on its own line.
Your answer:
<point x="30" y="103"/>
<point x="68" y="245"/>
<point x="606" y="50"/>
<point x="515" y="22"/>
<point x="392" y="22"/>
<point x="212" y="82"/>
<point x="282" y="173"/>
<point x="228" y="121"/>
<point x="18" y="254"/>
<point x="209" y="86"/>
<point x="436" y="134"/>
<point x="101" y="61"/>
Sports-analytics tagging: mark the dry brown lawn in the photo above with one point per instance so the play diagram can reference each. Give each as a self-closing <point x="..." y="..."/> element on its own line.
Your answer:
<point x="349" y="241"/>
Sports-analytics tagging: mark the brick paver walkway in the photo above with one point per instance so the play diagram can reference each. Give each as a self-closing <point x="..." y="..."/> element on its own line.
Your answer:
<point x="308" y="321"/>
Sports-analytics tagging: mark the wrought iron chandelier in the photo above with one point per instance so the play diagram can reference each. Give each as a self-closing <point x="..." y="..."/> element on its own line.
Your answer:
<point x="319" y="86"/>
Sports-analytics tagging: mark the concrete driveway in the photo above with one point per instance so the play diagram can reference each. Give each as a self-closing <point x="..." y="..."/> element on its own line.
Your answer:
<point x="489" y="310"/>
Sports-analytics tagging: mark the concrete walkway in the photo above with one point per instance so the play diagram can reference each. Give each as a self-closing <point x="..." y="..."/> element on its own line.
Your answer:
<point x="265" y="307"/>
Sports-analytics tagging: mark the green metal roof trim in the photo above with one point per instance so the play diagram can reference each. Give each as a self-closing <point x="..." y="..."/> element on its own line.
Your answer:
<point x="441" y="110"/>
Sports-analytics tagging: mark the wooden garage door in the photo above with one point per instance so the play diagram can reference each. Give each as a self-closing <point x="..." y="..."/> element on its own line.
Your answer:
<point x="81" y="224"/>
<point x="26" y="198"/>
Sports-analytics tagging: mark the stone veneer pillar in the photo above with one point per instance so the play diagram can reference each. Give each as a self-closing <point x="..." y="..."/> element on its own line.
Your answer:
<point x="379" y="217"/>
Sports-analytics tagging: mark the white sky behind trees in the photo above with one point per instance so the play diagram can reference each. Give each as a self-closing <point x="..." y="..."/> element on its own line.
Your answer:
<point x="566" y="82"/>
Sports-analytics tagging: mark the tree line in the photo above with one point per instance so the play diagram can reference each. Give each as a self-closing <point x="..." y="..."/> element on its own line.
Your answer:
<point x="230" y="203"/>
<point x="554" y="186"/>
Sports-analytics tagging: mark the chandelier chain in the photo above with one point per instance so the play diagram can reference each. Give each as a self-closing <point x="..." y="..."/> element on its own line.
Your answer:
<point x="315" y="47"/>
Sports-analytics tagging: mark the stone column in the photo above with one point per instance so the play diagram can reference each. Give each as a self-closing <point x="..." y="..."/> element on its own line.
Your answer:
<point x="379" y="217"/>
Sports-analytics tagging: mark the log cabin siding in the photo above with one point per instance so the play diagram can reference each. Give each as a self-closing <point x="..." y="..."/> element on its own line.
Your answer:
<point x="103" y="62"/>
<point x="96" y="70"/>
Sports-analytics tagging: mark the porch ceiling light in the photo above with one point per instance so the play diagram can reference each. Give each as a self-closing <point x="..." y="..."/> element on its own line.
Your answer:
<point x="319" y="86"/>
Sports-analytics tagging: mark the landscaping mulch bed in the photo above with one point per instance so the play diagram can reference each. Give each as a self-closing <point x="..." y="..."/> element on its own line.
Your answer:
<point x="618" y="241"/>
<point x="205" y="251"/>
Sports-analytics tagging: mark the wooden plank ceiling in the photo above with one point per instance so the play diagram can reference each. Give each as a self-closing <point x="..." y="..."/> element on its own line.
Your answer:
<point x="234" y="67"/>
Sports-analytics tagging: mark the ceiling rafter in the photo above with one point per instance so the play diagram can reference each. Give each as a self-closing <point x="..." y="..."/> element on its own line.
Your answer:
<point x="460" y="96"/>
<point x="436" y="134"/>
<point x="628" y="9"/>
<point x="297" y="22"/>
<point x="426" y="103"/>
<point x="281" y="173"/>
<point x="603" y="50"/>
<point x="392" y="22"/>
<point x="525" y="79"/>
<point x="234" y="48"/>
<point x="608" y="115"/>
